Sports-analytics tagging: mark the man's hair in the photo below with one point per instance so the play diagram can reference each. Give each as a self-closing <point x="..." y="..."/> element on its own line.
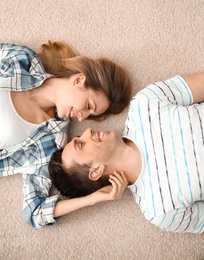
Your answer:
<point x="73" y="182"/>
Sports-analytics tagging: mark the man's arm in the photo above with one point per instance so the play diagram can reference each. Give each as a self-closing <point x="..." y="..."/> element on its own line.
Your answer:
<point x="196" y="84"/>
<point x="182" y="220"/>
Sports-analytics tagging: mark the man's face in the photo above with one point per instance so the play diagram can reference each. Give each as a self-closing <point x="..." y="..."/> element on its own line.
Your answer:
<point x="90" y="147"/>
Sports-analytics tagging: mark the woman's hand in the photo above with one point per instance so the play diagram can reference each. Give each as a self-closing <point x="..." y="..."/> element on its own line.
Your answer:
<point x="111" y="192"/>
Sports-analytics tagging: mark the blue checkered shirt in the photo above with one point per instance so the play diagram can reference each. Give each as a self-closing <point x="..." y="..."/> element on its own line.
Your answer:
<point x="21" y="69"/>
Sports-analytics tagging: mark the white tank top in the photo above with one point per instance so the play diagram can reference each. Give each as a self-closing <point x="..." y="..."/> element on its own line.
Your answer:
<point x="13" y="128"/>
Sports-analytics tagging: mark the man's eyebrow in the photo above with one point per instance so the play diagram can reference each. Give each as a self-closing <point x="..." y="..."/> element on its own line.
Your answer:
<point x="75" y="144"/>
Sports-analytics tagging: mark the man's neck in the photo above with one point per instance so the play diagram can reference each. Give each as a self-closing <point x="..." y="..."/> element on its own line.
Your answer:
<point x="133" y="161"/>
<point x="129" y="160"/>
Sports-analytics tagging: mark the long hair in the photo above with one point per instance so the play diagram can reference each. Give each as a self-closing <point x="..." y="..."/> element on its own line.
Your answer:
<point x="73" y="182"/>
<point x="102" y="74"/>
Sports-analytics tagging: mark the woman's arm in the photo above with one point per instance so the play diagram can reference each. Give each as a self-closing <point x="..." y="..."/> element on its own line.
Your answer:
<point x="111" y="192"/>
<point x="40" y="209"/>
<point x="18" y="61"/>
<point x="196" y="84"/>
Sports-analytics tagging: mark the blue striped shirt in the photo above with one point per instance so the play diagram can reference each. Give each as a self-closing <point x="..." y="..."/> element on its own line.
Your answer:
<point x="21" y="69"/>
<point x="167" y="127"/>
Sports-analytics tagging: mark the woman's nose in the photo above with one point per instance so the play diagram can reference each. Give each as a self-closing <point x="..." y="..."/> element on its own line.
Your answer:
<point x="82" y="116"/>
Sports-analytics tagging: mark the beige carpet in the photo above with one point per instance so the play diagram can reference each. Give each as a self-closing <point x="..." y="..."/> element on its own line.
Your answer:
<point x="153" y="39"/>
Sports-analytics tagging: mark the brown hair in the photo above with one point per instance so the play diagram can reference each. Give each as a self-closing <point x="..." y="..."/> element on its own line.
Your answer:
<point x="73" y="182"/>
<point x="61" y="60"/>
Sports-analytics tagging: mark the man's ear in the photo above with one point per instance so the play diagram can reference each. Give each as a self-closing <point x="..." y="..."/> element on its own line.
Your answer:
<point x="96" y="172"/>
<point x="80" y="79"/>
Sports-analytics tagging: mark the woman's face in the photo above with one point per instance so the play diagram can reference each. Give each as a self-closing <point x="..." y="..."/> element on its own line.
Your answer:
<point x="74" y="100"/>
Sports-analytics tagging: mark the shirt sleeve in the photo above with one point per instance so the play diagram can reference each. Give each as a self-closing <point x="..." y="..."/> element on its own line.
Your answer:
<point x="182" y="220"/>
<point x="174" y="90"/>
<point x="20" y="68"/>
<point x="38" y="206"/>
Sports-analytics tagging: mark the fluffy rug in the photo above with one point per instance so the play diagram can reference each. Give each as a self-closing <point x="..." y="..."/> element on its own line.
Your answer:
<point x="153" y="40"/>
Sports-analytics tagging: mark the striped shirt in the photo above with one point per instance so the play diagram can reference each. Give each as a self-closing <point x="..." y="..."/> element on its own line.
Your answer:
<point x="168" y="128"/>
<point x="21" y="69"/>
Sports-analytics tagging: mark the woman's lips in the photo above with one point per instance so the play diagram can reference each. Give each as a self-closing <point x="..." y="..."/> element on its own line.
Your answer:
<point x="71" y="113"/>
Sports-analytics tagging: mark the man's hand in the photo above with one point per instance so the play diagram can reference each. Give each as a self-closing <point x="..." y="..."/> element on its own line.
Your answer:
<point x="111" y="192"/>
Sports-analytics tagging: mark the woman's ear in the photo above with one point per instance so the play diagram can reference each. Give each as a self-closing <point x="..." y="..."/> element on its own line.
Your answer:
<point x="96" y="172"/>
<point x="80" y="79"/>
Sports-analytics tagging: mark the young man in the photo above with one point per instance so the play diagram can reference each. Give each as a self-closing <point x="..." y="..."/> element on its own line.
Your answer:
<point x="161" y="153"/>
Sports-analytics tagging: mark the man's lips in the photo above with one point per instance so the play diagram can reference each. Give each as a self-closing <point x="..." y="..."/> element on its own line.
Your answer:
<point x="100" y="136"/>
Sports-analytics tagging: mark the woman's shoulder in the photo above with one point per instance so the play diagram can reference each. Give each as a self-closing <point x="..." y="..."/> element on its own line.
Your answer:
<point x="12" y="48"/>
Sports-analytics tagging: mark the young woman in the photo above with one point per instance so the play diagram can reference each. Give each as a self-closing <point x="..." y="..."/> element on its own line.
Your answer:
<point x="38" y="95"/>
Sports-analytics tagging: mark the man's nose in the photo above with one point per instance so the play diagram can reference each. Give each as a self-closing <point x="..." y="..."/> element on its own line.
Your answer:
<point x="88" y="133"/>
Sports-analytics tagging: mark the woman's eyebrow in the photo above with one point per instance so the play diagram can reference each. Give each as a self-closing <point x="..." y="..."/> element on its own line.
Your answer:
<point x="95" y="106"/>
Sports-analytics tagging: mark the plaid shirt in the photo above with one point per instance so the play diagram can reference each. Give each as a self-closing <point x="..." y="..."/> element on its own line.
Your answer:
<point x="21" y="69"/>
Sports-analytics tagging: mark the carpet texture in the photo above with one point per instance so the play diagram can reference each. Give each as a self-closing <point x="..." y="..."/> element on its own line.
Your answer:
<point x="154" y="40"/>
